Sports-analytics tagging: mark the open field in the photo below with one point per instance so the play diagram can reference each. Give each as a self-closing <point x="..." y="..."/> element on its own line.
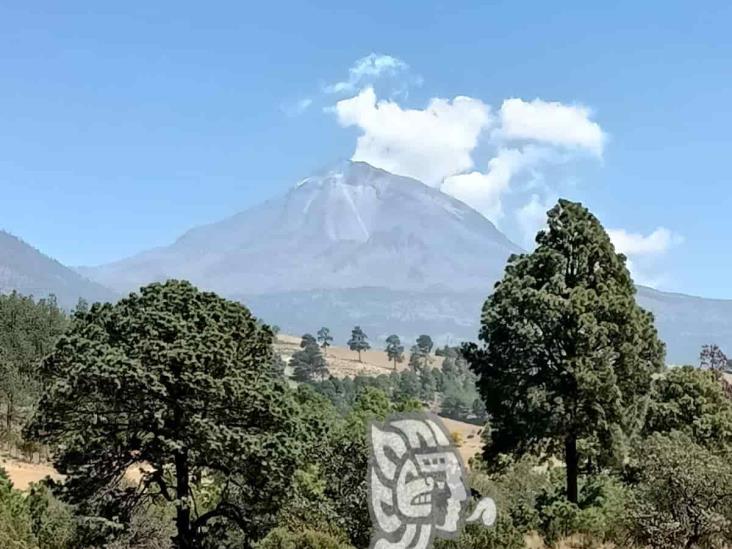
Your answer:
<point x="342" y="362"/>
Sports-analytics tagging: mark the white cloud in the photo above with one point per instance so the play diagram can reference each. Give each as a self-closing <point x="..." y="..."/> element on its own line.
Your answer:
<point x="483" y="191"/>
<point x="636" y="244"/>
<point x="429" y="144"/>
<point x="567" y="126"/>
<point x="367" y="69"/>
<point x="298" y="107"/>
<point x="641" y="251"/>
<point x="531" y="218"/>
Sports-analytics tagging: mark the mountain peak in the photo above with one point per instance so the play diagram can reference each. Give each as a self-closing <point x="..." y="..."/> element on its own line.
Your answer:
<point x="351" y="225"/>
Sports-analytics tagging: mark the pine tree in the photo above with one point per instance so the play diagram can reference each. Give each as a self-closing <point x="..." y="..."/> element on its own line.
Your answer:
<point x="178" y="380"/>
<point x="567" y="354"/>
<point x="308" y="364"/>
<point x="358" y="342"/>
<point x="325" y="339"/>
<point x="394" y="349"/>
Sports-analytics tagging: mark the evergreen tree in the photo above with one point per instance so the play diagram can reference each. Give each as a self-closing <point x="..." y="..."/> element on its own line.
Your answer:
<point x="394" y="349"/>
<point x="325" y="339"/>
<point x="567" y="353"/>
<point x="28" y="331"/>
<point x="712" y="358"/>
<point x="179" y="381"/>
<point x="425" y="344"/>
<point x="358" y="342"/>
<point x="307" y="339"/>
<point x="308" y="364"/>
<point x="420" y="352"/>
<point x="691" y="401"/>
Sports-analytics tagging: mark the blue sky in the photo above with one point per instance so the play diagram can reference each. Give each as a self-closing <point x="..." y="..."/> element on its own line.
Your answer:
<point x="123" y="126"/>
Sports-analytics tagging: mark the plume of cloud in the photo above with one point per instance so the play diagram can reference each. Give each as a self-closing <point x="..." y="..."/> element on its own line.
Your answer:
<point x="298" y="107"/>
<point x="366" y="70"/>
<point x="567" y="126"/>
<point x="532" y="217"/>
<point x="428" y="144"/>
<point x="636" y="244"/>
<point x="484" y="191"/>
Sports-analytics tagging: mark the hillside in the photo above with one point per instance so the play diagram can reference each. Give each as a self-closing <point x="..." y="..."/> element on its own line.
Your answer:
<point x="350" y="227"/>
<point x="30" y="272"/>
<point x="358" y="245"/>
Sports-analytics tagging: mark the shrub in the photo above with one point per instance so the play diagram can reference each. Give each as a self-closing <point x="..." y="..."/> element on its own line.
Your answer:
<point x="280" y="538"/>
<point x="52" y="520"/>
<point x="683" y="498"/>
<point x="15" y="521"/>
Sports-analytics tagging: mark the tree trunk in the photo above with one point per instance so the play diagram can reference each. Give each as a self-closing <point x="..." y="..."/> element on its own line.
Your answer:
<point x="10" y="412"/>
<point x="184" y="539"/>
<point x="571" y="460"/>
<point x="359" y="356"/>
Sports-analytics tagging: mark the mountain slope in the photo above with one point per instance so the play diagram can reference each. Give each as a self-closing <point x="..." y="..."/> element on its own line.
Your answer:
<point x="350" y="227"/>
<point x="358" y="245"/>
<point x="28" y="271"/>
<point x="687" y="322"/>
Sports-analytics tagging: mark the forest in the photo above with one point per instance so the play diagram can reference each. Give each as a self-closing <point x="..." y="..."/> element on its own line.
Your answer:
<point x="172" y="421"/>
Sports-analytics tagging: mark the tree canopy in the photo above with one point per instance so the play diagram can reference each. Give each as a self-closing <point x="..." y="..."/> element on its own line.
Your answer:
<point x="694" y="402"/>
<point x="394" y="349"/>
<point x="567" y="353"/>
<point x="179" y="381"/>
<point x="324" y="338"/>
<point x="359" y="341"/>
<point x="308" y="363"/>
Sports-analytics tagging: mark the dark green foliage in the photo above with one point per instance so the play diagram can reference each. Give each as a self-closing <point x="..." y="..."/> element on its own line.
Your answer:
<point x="359" y="341"/>
<point x="712" y="358"/>
<point x="16" y="528"/>
<point x="28" y="331"/>
<point x="179" y="380"/>
<point x="683" y="498"/>
<point x="35" y="520"/>
<point x="452" y="389"/>
<point x="394" y="349"/>
<point x="308" y="364"/>
<point x="694" y="402"/>
<point x="324" y="338"/>
<point x="52" y="521"/>
<point x="308" y="339"/>
<point x="567" y="353"/>
<point x="425" y="344"/>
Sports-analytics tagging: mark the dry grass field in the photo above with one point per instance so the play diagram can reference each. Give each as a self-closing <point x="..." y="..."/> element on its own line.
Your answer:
<point x="342" y="362"/>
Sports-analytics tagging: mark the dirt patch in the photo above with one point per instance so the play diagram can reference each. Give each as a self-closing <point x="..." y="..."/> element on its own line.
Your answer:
<point x="22" y="474"/>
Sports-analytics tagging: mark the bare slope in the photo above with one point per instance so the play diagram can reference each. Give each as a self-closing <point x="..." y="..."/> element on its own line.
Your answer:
<point x="352" y="226"/>
<point x="29" y="272"/>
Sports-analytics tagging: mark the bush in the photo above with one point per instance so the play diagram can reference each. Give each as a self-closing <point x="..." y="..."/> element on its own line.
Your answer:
<point x="52" y="520"/>
<point x="15" y="521"/>
<point x="683" y="497"/>
<point x="280" y="538"/>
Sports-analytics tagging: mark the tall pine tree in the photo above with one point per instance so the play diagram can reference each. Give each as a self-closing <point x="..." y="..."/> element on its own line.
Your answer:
<point x="567" y="354"/>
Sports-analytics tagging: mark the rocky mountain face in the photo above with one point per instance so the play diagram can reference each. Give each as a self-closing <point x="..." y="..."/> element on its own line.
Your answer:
<point x="28" y="271"/>
<point x="358" y="245"/>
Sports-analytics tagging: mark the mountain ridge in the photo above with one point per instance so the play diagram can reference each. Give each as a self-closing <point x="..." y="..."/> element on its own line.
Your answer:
<point x="357" y="245"/>
<point x="342" y="229"/>
<point x="27" y="270"/>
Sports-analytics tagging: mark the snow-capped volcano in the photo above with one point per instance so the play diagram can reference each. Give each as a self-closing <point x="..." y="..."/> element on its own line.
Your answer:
<point x="352" y="226"/>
